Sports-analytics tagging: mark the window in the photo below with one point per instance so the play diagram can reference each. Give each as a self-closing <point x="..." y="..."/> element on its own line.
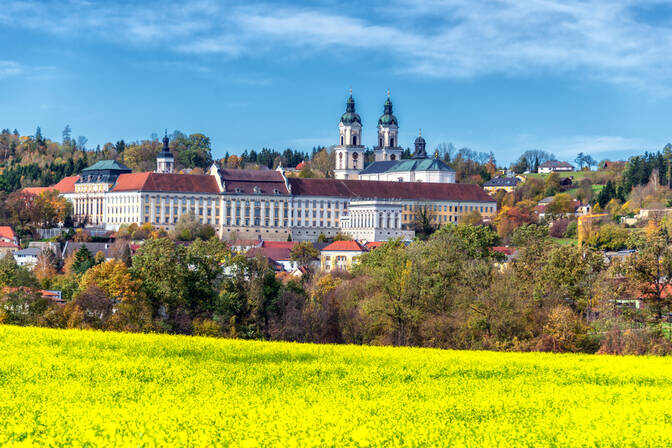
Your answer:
<point x="354" y="140"/>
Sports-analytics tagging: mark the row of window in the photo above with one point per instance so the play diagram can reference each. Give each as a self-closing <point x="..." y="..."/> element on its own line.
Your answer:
<point x="450" y="208"/>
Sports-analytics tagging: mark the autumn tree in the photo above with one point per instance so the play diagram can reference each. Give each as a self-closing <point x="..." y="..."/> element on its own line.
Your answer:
<point x="304" y="252"/>
<point x="649" y="272"/>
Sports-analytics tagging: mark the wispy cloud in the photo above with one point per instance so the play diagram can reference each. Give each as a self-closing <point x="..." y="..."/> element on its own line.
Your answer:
<point x="616" y="41"/>
<point x="10" y="68"/>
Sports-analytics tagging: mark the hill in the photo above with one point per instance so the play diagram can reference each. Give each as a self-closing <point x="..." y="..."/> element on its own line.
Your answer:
<point x="82" y="388"/>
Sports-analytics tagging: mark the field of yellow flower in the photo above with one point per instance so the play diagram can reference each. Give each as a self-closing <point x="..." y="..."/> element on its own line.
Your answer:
<point x="81" y="388"/>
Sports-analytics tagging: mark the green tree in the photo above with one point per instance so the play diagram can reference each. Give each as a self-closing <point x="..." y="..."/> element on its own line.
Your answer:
<point x="83" y="261"/>
<point x="161" y="266"/>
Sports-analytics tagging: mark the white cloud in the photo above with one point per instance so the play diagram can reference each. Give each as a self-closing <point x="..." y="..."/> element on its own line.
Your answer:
<point x="601" y="39"/>
<point x="10" y="68"/>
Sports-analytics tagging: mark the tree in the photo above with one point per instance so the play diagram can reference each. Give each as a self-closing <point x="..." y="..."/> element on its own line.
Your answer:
<point x="83" y="260"/>
<point x="91" y="308"/>
<point x="561" y="205"/>
<point x="580" y="160"/>
<point x="325" y="162"/>
<point x="189" y="228"/>
<point x="161" y="266"/>
<point x="47" y="265"/>
<point x="552" y="185"/>
<point x="649" y="272"/>
<point x="304" y="252"/>
<point x="81" y="142"/>
<point x="423" y="222"/>
<point x="114" y="278"/>
<point x="67" y="132"/>
<point x="13" y="275"/>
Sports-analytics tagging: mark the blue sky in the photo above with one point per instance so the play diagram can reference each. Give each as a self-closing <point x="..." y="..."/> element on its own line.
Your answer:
<point x="502" y="76"/>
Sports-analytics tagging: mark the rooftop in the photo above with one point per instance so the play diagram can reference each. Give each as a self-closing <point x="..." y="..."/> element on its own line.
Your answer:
<point x="191" y="183"/>
<point x="370" y="189"/>
<point x="346" y="246"/>
<point x="107" y="165"/>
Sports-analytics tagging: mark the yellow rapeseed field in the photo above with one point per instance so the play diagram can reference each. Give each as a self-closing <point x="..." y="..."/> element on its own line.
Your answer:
<point x="81" y="388"/>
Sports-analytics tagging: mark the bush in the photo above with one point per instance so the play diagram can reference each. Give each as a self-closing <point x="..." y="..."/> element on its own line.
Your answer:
<point x="206" y="327"/>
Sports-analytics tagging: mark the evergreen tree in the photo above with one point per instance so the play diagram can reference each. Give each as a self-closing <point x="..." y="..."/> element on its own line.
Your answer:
<point x="83" y="260"/>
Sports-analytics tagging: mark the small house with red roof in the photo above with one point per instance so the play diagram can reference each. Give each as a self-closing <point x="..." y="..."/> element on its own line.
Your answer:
<point x="341" y="255"/>
<point x="7" y="235"/>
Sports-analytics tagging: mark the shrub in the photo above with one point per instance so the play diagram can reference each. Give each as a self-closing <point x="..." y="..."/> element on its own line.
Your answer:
<point x="206" y="327"/>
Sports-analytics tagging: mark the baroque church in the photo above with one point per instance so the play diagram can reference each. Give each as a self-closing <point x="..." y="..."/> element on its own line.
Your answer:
<point x="388" y="164"/>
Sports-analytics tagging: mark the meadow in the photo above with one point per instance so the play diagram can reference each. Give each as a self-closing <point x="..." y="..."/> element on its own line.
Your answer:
<point x="84" y="388"/>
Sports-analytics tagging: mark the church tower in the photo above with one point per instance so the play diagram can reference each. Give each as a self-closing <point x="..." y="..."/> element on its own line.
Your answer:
<point x="420" y="145"/>
<point x="165" y="162"/>
<point x="349" y="151"/>
<point x="388" y="135"/>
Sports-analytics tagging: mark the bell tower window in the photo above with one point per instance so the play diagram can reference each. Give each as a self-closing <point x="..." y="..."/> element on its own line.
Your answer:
<point x="341" y="139"/>
<point x="354" y="140"/>
<point x="393" y="157"/>
<point x="392" y="142"/>
<point x="380" y="142"/>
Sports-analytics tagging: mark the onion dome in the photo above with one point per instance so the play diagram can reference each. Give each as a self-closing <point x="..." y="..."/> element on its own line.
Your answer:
<point x="388" y="117"/>
<point x="165" y="152"/>
<point x="350" y="116"/>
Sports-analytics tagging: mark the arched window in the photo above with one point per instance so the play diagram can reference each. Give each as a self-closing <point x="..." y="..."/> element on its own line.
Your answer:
<point x="341" y="139"/>
<point x="393" y="157"/>
<point x="354" y="140"/>
<point x="340" y="159"/>
<point x="392" y="142"/>
<point x="380" y="142"/>
<point x="354" y="160"/>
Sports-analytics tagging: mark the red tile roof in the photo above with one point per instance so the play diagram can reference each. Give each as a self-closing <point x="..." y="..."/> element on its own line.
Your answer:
<point x="343" y="246"/>
<point x="37" y="190"/>
<point x="7" y="232"/>
<point x="10" y="245"/>
<point x="245" y="181"/>
<point x="504" y="250"/>
<point x="374" y="244"/>
<point x="279" y="244"/>
<point x="180" y="183"/>
<point x="65" y="185"/>
<point x="389" y="190"/>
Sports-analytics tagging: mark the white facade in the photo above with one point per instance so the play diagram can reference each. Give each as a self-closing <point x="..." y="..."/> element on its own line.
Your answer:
<point x="165" y="164"/>
<point x="349" y="161"/>
<point x="374" y="220"/>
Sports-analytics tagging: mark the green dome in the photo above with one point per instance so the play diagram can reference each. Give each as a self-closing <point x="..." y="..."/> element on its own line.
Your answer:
<point x="388" y="117"/>
<point x="350" y="116"/>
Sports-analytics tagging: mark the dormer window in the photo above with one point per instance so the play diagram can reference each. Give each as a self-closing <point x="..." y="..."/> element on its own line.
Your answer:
<point x="276" y="191"/>
<point x="237" y="190"/>
<point x="257" y="189"/>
